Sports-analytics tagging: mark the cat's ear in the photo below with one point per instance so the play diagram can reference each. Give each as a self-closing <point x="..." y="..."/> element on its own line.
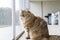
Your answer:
<point x="28" y="11"/>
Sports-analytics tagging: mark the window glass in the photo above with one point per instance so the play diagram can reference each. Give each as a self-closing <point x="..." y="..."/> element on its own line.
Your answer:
<point x="6" y="20"/>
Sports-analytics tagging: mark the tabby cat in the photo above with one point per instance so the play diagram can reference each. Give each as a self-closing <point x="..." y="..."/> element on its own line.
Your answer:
<point x="37" y="26"/>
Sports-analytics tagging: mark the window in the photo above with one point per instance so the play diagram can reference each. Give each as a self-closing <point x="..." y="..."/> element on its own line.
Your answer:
<point x="6" y="20"/>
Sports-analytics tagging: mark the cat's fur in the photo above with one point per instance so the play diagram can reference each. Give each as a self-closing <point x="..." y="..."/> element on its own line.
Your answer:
<point x="37" y="26"/>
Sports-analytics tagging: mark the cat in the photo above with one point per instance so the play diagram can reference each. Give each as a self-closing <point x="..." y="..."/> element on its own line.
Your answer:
<point x="38" y="29"/>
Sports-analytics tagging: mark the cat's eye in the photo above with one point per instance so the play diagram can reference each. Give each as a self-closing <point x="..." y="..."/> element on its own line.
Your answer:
<point x="23" y="15"/>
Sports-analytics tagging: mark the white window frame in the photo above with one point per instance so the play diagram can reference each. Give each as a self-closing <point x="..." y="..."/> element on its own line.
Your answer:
<point x="13" y="19"/>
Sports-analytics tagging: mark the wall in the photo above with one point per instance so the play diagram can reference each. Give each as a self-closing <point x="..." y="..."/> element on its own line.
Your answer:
<point x="35" y="7"/>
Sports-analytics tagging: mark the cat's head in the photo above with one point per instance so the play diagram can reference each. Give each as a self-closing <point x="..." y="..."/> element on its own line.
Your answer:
<point x="26" y="14"/>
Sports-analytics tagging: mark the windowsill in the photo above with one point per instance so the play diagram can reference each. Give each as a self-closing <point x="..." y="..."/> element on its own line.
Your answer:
<point x="54" y="29"/>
